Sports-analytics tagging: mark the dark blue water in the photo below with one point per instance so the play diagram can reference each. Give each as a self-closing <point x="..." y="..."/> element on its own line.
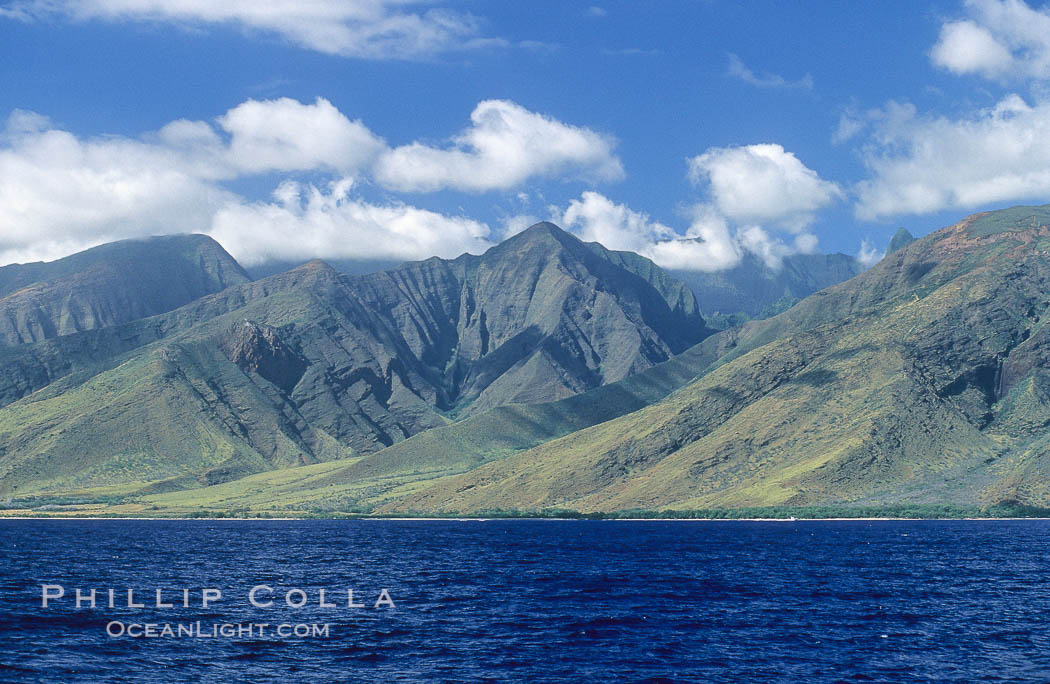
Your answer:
<point x="537" y="600"/>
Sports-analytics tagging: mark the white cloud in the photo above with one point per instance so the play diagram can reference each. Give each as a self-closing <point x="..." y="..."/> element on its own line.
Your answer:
<point x="706" y="246"/>
<point x="771" y="249"/>
<point x="287" y="135"/>
<point x="737" y="69"/>
<point x="512" y="225"/>
<point x="1002" y="40"/>
<point x="746" y="185"/>
<point x="868" y="255"/>
<point x="505" y="145"/>
<point x="304" y="222"/>
<point x="596" y="218"/>
<point x="926" y="164"/>
<point x="373" y="29"/>
<point x="60" y="194"/>
<point x="763" y="183"/>
<point x="851" y="124"/>
<point x="965" y="48"/>
<point x="708" y="243"/>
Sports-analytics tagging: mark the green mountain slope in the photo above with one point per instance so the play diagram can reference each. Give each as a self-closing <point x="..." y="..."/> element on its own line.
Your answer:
<point x="111" y="284"/>
<point x="76" y="357"/>
<point x="311" y="365"/>
<point x="362" y="484"/>
<point x="922" y="380"/>
<point x="538" y="317"/>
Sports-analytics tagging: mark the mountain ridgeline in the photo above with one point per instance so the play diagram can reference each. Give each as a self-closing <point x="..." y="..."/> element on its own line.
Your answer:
<point x="924" y="380"/>
<point x="754" y="289"/>
<point x="313" y="365"/>
<point x="552" y="374"/>
<point x="111" y="284"/>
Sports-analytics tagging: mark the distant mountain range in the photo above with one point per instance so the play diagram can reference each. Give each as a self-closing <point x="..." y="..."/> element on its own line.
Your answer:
<point x="754" y="289"/>
<point x="545" y="374"/>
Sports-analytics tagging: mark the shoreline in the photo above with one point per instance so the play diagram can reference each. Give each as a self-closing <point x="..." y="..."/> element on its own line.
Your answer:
<point x="524" y="518"/>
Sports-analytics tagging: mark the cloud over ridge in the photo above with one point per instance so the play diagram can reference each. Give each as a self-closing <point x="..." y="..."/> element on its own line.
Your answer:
<point x="763" y="183"/>
<point x="922" y="164"/>
<point x="60" y="193"/>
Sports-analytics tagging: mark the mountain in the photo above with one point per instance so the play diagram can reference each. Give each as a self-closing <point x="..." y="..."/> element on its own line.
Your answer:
<point x="902" y="238"/>
<point x="756" y="290"/>
<point x="362" y="484"/>
<point x="110" y="284"/>
<point x="312" y="365"/>
<point x="925" y="379"/>
<point x="539" y="317"/>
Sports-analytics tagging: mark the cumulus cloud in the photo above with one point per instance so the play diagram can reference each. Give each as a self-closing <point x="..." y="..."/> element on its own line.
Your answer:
<point x="305" y="222"/>
<point x="771" y="249"/>
<point x="868" y="255"/>
<point x="964" y="48"/>
<point x="1001" y="40"/>
<point x="596" y="218"/>
<point x="372" y="29"/>
<point x="752" y="192"/>
<point x="708" y="243"/>
<point x="285" y="135"/>
<point x="512" y="225"/>
<point x="763" y="184"/>
<point x="505" y="145"/>
<point x="739" y="70"/>
<point x="60" y="193"/>
<point x="851" y="124"/>
<point x="922" y="164"/>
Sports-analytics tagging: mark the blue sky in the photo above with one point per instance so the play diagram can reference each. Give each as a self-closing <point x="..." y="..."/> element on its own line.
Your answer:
<point x="689" y="131"/>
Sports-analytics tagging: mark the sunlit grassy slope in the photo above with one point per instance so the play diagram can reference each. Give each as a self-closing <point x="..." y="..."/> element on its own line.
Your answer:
<point x="361" y="483"/>
<point x="311" y="365"/>
<point x="923" y="380"/>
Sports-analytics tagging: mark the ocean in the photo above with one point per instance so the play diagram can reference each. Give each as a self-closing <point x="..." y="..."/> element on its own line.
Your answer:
<point x="525" y="600"/>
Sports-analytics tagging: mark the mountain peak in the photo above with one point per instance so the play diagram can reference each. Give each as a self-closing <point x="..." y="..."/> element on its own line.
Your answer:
<point x="545" y="226"/>
<point x="313" y="272"/>
<point x="544" y="230"/>
<point x="111" y="284"/>
<point x="316" y="265"/>
<point x="902" y="238"/>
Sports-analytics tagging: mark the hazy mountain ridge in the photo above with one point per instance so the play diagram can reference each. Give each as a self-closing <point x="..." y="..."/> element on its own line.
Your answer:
<point x="111" y="284"/>
<point x="757" y="290"/>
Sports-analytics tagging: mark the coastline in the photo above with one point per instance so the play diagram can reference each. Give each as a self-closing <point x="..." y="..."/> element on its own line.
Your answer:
<point x="523" y="518"/>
